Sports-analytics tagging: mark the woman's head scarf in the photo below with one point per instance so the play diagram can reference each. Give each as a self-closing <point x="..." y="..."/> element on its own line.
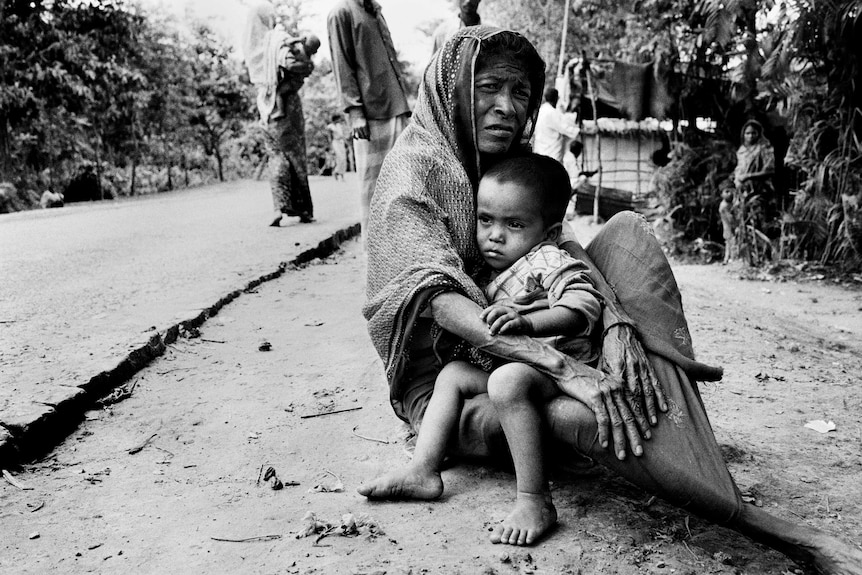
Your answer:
<point x="421" y="233"/>
<point x="261" y="43"/>
<point x="754" y="124"/>
<point x="259" y="21"/>
<point x="446" y="99"/>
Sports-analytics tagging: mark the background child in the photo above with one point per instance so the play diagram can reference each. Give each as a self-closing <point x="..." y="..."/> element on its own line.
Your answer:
<point x="728" y="223"/>
<point x="536" y="289"/>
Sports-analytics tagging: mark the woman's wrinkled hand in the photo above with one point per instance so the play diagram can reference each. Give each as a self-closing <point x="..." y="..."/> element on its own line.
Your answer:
<point x="605" y="395"/>
<point x="623" y="357"/>
<point x="504" y="320"/>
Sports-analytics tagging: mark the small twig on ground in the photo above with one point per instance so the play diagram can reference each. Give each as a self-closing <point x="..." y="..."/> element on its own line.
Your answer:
<point x="259" y="474"/>
<point x="8" y="477"/>
<point x="212" y="340"/>
<point x="165" y="450"/>
<point x="118" y="394"/>
<point x="385" y="442"/>
<point x="687" y="528"/>
<point x="247" y="539"/>
<point x="322" y="413"/>
<point x="142" y="445"/>
<point x="170" y="370"/>
<point x="689" y="550"/>
<point x="37" y="507"/>
<point x="599" y="537"/>
<point x="797" y="514"/>
<point x="325" y="533"/>
<point x="8" y="321"/>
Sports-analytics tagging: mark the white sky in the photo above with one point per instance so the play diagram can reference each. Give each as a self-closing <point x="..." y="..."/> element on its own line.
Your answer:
<point x="403" y="16"/>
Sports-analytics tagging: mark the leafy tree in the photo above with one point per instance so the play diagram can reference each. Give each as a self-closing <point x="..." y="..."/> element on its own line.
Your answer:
<point x="89" y="88"/>
<point x="222" y="99"/>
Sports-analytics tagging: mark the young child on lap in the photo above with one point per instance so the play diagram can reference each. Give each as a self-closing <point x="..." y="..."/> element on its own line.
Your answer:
<point x="535" y="289"/>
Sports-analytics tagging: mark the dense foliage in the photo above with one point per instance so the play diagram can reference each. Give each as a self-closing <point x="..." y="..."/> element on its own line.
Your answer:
<point x="97" y="100"/>
<point x="793" y="65"/>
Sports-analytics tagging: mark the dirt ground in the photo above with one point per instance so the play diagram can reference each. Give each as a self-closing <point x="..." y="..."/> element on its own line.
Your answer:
<point x="169" y="479"/>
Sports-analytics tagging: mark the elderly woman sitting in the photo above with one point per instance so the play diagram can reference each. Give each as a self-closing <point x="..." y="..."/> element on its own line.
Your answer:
<point x="478" y="104"/>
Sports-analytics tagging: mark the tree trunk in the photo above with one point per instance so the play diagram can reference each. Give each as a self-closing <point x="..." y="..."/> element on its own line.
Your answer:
<point x="134" y="175"/>
<point x="98" y="148"/>
<point x="132" y="189"/>
<point x="185" y="166"/>
<point x="220" y="162"/>
<point x="4" y="139"/>
<point x="170" y="165"/>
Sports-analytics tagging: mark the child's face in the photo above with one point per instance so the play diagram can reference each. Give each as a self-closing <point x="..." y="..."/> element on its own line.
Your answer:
<point x="509" y="222"/>
<point x="727" y="195"/>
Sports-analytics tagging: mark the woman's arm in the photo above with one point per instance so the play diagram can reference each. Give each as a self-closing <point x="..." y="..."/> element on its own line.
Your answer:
<point x="622" y="354"/>
<point x="603" y="393"/>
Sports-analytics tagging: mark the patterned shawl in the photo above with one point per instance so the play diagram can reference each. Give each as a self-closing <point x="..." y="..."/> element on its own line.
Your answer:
<point x="421" y="229"/>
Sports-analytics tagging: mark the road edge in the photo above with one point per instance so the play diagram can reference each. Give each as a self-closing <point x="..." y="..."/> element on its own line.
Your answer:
<point x="25" y="440"/>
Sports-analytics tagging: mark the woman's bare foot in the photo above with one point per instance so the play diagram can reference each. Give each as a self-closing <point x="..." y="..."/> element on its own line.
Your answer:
<point x="408" y="483"/>
<point x="534" y="514"/>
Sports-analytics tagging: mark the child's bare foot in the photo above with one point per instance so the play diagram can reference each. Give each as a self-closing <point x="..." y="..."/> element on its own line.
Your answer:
<point x="533" y="515"/>
<point x="407" y="483"/>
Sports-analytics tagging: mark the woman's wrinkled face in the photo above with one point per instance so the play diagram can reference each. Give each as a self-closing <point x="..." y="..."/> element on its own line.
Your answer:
<point x="502" y="96"/>
<point x="750" y="135"/>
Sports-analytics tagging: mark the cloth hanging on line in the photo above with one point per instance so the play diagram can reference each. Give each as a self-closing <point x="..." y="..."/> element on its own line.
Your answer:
<point x="623" y="89"/>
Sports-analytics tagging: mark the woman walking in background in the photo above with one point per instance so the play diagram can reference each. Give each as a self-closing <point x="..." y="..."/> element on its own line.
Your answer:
<point x="271" y="62"/>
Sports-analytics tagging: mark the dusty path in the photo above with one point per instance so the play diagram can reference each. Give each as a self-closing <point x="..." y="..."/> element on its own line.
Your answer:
<point x="88" y="286"/>
<point x="214" y="410"/>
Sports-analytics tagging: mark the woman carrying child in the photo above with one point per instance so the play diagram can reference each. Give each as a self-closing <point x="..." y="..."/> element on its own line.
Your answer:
<point x="278" y="65"/>
<point x="477" y="105"/>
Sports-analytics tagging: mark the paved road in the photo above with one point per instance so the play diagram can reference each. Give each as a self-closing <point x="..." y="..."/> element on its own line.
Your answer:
<point x="89" y="291"/>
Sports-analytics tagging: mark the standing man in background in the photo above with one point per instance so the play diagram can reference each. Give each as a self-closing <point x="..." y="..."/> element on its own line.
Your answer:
<point x="373" y="93"/>
<point x="468" y="16"/>
<point x="553" y="129"/>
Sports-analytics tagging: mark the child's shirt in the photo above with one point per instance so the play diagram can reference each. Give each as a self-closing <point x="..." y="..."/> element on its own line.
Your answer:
<point x="553" y="274"/>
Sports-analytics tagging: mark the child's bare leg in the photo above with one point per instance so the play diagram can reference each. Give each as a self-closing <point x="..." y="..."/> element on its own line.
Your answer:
<point x="517" y="390"/>
<point x="421" y="478"/>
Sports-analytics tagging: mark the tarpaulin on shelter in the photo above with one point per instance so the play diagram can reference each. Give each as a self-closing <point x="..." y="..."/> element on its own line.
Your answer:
<point x="622" y="90"/>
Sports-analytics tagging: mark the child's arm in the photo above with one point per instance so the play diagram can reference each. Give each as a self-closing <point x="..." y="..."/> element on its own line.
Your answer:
<point x="558" y="320"/>
<point x="573" y="307"/>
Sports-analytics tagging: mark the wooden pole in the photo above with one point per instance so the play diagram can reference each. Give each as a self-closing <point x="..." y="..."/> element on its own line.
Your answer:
<point x="592" y="92"/>
<point x="563" y="37"/>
